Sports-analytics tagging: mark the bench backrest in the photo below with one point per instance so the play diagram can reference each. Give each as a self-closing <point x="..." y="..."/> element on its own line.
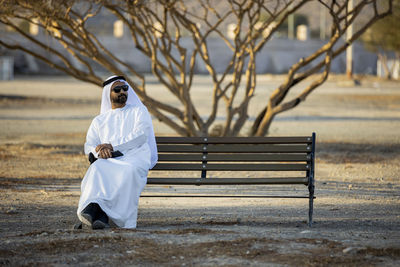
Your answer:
<point x="236" y="154"/>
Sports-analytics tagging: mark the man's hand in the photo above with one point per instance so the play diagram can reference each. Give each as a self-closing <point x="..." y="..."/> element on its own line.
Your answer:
<point x="104" y="150"/>
<point x="102" y="146"/>
<point x="105" y="153"/>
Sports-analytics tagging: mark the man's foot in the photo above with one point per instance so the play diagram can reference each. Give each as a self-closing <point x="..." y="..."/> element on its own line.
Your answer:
<point x="101" y="221"/>
<point x="100" y="225"/>
<point x="89" y="213"/>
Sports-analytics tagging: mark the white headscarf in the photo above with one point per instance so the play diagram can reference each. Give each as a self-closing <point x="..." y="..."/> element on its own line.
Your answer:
<point x="133" y="100"/>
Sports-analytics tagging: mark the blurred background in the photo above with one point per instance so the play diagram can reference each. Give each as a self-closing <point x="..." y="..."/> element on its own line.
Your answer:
<point x="302" y="33"/>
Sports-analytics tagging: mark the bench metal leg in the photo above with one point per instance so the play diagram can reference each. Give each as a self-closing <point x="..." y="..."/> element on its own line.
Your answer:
<point x="311" y="182"/>
<point x="311" y="203"/>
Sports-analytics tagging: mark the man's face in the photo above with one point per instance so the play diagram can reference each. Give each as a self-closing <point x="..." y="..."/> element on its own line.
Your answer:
<point x="118" y="94"/>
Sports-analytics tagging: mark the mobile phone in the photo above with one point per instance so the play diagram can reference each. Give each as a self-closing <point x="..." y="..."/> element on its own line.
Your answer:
<point x="116" y="154"/>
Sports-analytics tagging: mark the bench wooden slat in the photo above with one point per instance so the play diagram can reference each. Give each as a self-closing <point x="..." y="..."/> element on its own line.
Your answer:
<point x="231" y="167"/>
<point x="234" y="140"/>
<point x="222" y="196"/>
<point x="233" y="157"/>
<point x="227" y="181"/>
<point x="263" y="148"/>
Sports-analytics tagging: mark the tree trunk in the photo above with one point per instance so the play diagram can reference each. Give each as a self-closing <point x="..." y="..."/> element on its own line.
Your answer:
<point x="265" y="122"/>
<point x="385" y="64"/>
<point x="257" y="122"/>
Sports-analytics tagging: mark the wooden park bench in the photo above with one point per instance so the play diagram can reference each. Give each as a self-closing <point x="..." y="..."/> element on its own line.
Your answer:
<point x="279" y="155"/>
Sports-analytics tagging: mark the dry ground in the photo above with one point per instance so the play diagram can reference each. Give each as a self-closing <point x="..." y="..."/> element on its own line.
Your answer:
<point x="357" y="210"/>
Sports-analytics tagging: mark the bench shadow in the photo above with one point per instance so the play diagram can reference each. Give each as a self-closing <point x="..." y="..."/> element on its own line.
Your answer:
<point x="347" y="217"/>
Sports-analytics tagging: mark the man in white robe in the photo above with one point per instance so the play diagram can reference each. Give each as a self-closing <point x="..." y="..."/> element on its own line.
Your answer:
<point x="111" y="188"/>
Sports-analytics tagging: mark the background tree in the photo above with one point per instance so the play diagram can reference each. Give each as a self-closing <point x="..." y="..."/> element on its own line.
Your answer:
<point x="158" y="29"/>
<point x="384" y="37"/>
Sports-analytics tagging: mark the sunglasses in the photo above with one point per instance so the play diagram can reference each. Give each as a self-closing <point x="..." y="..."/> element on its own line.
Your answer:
<point x="118" y="88"/>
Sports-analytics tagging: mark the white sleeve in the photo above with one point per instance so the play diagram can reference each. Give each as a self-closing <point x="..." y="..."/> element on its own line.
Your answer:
<point x="92" y="139"/>
<point x="139" y="134"/>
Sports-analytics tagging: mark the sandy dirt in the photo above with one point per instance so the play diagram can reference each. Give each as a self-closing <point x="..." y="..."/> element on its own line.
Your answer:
<point x="356" y="212"/>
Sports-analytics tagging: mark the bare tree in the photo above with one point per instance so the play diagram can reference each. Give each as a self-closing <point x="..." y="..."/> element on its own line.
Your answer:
<point x="158" y="29"/>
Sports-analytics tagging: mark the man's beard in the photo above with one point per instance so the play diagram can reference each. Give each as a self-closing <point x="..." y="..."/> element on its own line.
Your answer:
<point x="120" y="99"/>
